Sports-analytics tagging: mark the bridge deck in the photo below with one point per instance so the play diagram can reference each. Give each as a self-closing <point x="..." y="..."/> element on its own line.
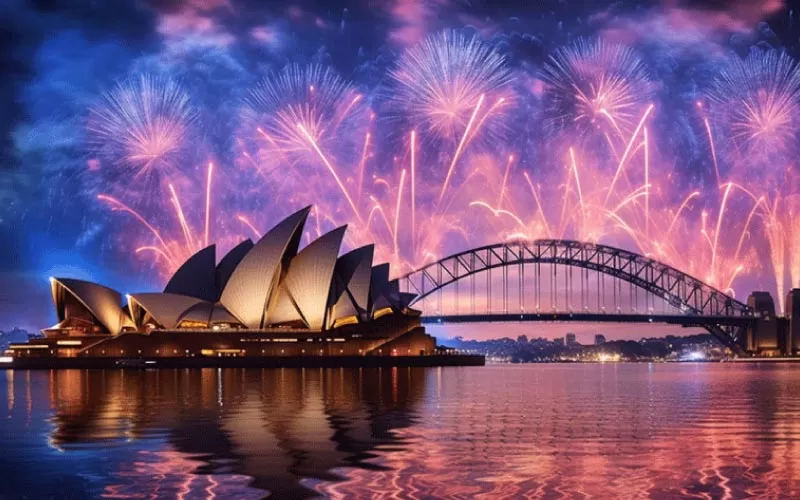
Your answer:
<point x="673" y="319"/>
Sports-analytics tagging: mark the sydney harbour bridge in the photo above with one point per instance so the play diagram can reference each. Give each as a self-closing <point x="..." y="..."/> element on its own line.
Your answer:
<point x="563" y="280"/>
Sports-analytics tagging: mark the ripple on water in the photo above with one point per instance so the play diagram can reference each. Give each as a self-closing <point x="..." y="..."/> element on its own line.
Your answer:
<point x="538" y="431"/>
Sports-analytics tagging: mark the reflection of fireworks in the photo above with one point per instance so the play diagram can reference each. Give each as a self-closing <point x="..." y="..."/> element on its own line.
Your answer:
<point x="439" y="82"/>
<point x="757" y="101"/>
<point x="597" y="85"/>
<point x="141" y="125"/>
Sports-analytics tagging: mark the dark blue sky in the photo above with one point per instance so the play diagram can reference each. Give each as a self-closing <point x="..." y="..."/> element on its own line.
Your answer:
<point x="57" y="57"/>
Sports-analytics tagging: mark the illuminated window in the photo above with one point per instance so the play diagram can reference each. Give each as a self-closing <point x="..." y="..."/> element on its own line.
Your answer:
<point x="69" y="342"/>
<point x="382" y="312"/>
<point x="347" y="320"/>
<point x="192" y="325"/>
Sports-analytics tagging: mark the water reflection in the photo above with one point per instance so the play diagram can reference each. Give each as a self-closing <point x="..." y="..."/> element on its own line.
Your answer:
<point x="604" y="431"/>
<point x="261" y="430"/>
<point x="610" y="431"/>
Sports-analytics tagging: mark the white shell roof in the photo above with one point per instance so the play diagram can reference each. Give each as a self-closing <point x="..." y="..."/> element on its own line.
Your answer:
<point x="248" y="289"/>
<point x="200" y="313"/>
<point x="166" y="309"/>
<point x="282" y="308"/>
<point x="308" y="280"/>
<point x="104" y="303"/>
<point x="220" y="315"/>
<point x="229" y="262"/>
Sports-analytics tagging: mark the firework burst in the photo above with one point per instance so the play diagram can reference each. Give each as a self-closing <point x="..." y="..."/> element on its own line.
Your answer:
<point x="596" y="86"/>
<point x="292" y="110"/>
<point x="440" y="83"/>
<point x="756" y="102"/>
<point x="141" y="127"/>
<point x="429" y="191"/>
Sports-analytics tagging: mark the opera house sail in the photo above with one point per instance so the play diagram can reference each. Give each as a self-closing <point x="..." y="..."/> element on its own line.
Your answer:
<point x="270" y="302"/>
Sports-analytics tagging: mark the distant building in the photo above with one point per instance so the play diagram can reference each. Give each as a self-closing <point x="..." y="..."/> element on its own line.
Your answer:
<point x="792" y="313"/>
<point x="571" y="342"/>
<point x="599" y="339"/>
<point x="539" y="343"/>
<point x="763" y="336"/>
<point x="559" y="341"/>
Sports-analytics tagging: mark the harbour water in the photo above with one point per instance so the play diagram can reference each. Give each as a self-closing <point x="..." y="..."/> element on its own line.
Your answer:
<point x="708" y="430"/>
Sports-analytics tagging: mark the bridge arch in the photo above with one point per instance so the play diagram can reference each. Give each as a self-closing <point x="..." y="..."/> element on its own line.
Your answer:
<point x="697" y="302"/>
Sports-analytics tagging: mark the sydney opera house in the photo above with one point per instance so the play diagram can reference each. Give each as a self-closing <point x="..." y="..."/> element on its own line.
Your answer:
<point x="265" y="303"/>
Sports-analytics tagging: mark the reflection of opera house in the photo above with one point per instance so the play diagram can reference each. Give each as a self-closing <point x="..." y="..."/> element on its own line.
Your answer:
<point x="269" y="300"/>
<point x="203" y="429"/>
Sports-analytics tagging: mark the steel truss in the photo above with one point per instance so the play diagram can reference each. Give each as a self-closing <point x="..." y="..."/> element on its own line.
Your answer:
<point x="687" y="294"/>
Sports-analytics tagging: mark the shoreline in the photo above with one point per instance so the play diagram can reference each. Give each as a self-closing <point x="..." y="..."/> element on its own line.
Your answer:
<point x="245" y="362"/>
<point x="643" y="361"/>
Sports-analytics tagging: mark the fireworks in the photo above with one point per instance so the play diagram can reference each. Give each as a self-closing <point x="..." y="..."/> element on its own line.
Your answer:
<point x="173" y="247"/>
<point x="294" y="109"/>
<point x="440" y="83"/>
<point x="781" y="220"/>
<point x="140" y="127"/>
<point x="303" y="117"/>
<point x="594" y="85"/>
<point x="756" y="101"/>
<point x="430" y="191"/>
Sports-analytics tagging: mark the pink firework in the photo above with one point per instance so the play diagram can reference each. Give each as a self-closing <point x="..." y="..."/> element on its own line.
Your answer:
<point x="291" y="110"/>
<point x="171" y="244"/>
<point x="441" y="83"/>
<point x="756" y="103"/>
<point x="141" y="126"/>
<point x="593" y="85"/>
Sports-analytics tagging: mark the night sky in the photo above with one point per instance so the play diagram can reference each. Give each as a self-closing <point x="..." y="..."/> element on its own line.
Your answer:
<point x="57" y="58"/>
